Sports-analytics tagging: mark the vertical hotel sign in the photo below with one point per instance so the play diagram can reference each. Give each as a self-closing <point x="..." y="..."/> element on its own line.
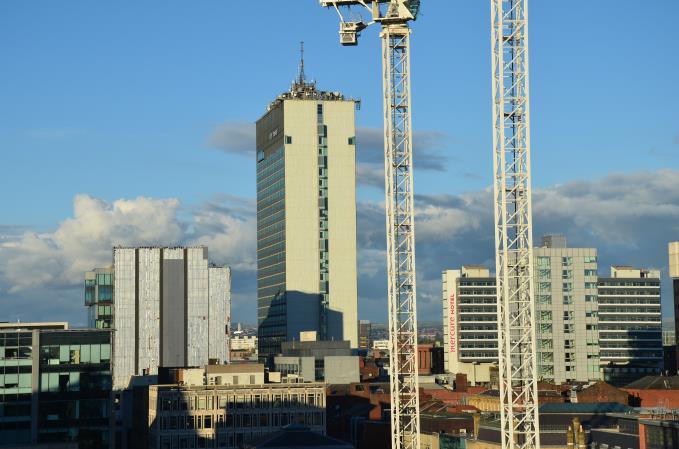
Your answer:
<point x="452" y="323"/>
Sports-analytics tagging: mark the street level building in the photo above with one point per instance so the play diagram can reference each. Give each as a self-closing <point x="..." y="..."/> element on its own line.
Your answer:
<point x="306" y="218"/>
<point x="229" y="416"/>
<point x="170" y="309"/>
<point x="630" y="324"/>
<point x="331" y="362"/>
<point x="55" y="386"/>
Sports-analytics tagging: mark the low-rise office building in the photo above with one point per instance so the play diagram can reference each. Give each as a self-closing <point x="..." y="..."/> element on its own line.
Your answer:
<point x="55" y="385"/>
<point x="229" y="416"/>
<point x="331" y="362"/>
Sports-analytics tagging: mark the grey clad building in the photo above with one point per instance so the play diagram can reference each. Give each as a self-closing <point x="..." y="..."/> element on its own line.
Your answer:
<point x="171" y="308"/>
<point x="306" y="218"/>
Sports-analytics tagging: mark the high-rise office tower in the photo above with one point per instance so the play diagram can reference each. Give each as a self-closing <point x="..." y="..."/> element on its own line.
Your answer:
<point x="170" y="309"/>
<point x="566" y="312"/>
<point x="306" y="218"/>
<point x="630" y="324"/>
<point x="673" y="249"/>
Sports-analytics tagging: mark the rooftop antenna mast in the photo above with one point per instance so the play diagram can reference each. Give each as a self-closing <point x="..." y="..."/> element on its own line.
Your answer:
<point x="394" y="16"/>
<point x="302" y="77"/>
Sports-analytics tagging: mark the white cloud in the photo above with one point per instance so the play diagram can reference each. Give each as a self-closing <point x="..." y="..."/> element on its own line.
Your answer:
<point x="36" y="268"/>
<point x="85" y="240"/>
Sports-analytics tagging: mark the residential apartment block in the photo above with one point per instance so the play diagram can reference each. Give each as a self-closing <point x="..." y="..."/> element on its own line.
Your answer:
<point x="566" y="312"/>
<point x="587" y="326"/>
<point x="630" y="324"/>
<point x="306" y="218"/>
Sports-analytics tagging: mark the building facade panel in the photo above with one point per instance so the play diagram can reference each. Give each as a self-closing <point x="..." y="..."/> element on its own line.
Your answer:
<point x="125" y="316"/>
<point x="148" y="306"/>
<point x="219" y="313"/>
<point x="197" y="308"/>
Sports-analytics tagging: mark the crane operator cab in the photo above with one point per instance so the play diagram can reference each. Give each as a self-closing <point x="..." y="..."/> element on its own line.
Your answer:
<point x="385" y="11"/>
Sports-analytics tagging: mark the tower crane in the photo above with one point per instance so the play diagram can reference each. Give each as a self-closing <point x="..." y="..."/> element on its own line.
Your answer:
<point x="394" y="16"/>
<point x="513" y="225"/>
<point x="512" y="211"/>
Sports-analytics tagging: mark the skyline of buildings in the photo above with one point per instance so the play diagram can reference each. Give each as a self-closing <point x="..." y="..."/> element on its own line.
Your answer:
<point x="585" y="322"/>
<point x="306" y="218"/>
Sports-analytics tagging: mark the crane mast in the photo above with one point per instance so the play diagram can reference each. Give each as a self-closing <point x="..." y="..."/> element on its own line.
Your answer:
<point x="513" y="225"/>
<point x="394" y="15"/>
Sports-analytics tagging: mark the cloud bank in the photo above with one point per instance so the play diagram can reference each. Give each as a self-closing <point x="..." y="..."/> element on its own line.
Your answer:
<point x="628" y="217"/>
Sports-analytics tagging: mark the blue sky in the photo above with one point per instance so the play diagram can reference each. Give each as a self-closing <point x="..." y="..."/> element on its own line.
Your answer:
<point x="122" y="100"/>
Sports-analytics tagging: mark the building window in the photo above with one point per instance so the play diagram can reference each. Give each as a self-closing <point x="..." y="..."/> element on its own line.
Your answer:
<point x="544" y="286"/>
<point x="543" y="262"/>
<point x="352" y="140"/>
<point x="288" y="140"/>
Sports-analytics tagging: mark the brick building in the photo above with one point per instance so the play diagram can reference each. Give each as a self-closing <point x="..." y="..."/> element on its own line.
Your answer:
<point x="603" y="392"/>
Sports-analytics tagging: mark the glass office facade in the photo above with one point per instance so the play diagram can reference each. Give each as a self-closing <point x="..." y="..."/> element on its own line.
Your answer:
<point x="16" y="368"/>
<point x="75" y="388"/>
<point x="271" y="312"/>
<point x="99" y="297"/>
